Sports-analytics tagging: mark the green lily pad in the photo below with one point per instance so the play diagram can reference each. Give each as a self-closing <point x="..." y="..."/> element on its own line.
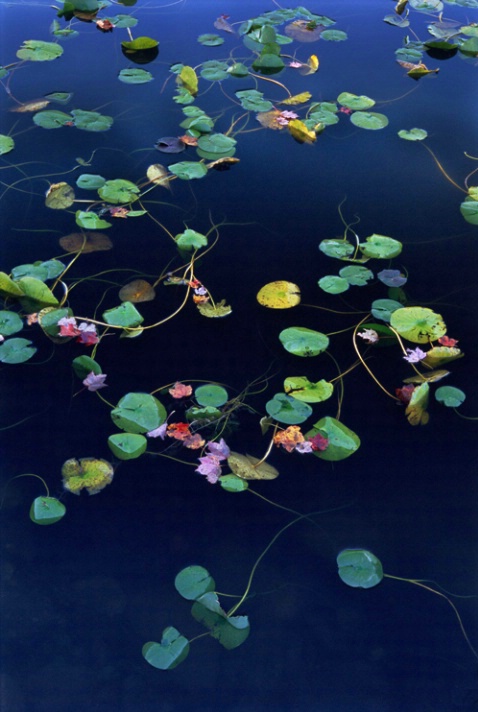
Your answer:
<point x="91" y="120"/>
<point x="354" y="102"/>
<point x="135" y="75"/>
<point x="139" y="44"/>
<point x="217" y="144"/>
<point x="171" y="651"/>
<point x="333" y="35"/>
<point x="191" y="240"/>
<point x="238" y="70"/>
<point x="343" y="442"/>
<point x="384" y="308"/>
<point x="418" y="324"/>
<point x="127" y="446"/>
<point x="90" y="220"/>
<point x="210" y="40"/>
<point x="47" y="510"/>
<point x="211" y="395"/>
<point x="39" y="51"/>
<point x="215" y="70"/>
<point x="83" y="365"/>
<point x="61" y="97"/>
<point x="51" y="119"/>
<point x="413" y="134"/>
<point x="60" y="196"/>
<point x="369" y="120"/>
<point x="188" y="170"/>
<point x="6" y="144"/>
<point x="233" y="483"/>
<point x="138" y="413"/>
<point x="126" y="315"/>
<point x="36" y="294"/>
<point x="341" y="249"/>
<point x="356" y="275"/>
<point x="380" y="247"/>
<point x="359" y="568"/>
<point x="207" y="413"/>
<point x="253" y="100"/>
<point x="450" y="396"/>
<point x="230" y="631"/>
<point x="333" y="284"/>
<point x="301" y="388"/>
<point x="48" y="320"/>
<point x="289" y="410"/>
<point x="90" y="181"/>
<point x="300" y="341"/>
<point x="119" y="191"/>
<point x="193" y="581"/>
<point x="16" y="350"/>
<point x="10" y="323"/>
<point x="8" y="287"/>
<point x="469" y="210"/>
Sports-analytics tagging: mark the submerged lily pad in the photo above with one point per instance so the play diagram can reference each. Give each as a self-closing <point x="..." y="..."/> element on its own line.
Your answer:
<point x="86" y="242"/>
<point x="137" y="291"/>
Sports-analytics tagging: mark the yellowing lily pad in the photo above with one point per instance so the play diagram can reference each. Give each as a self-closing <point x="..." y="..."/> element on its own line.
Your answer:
<point x="60" y="196"/>
<point x="279" y="295"/>
<point x="137" y="291"/>
<point x="246" y="467"/>
<point x="418" y="324"/>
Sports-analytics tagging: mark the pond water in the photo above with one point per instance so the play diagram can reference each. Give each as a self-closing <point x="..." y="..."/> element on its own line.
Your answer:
<point x="81" y="598"/>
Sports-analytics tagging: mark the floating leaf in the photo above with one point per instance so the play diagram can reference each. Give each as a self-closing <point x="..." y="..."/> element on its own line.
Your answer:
<point x="171" y="651"/>
<point x="90" y="181"/>
<point x="88" y="473"/>
<point x="135" y="75"/>
<point x="170" y="144"/>
<point x="59" y="196"/>
<point x="84" y="365"/>
<point x="333" y="285"/>
<point x="354" y="102"/>
<point x="413" y="134"/>
<point x="300" y="341"/>
<point x="188" y="170"/>
<point x="188" y="77"/>
<point x="247" y="468"/>
<point x="469" y="210"/>
<point x="36" y="293"/>
<point x="158" y="174"/>
<point x="369" y="120"/>
<point x="39" y="51"/>
<point x="10" y="323"/>
<point x="216" y="144"/>
<point x="439" y="355"/>
<point x="333" y="35"/>
<point x="301" y="98"/>
<point x="140" y="43"/>
<point x="90" y="220"/>
<point x="47" y="510"/>
<point x="138" y="413"/>
<point x="137" y="291"/>
<point x="392" y="277"/>
<point x="380" y="247"/>
<point x="356" y="276"/>
<point x="304" y="30"/>
<point x="61" y="97"/>
<point x="16" y="350"/>
<point x="229" y="631"/>
<point x="287" y="409"/>
<point x="211" y="394"/>
<point x="91" y="120"/>
<point x="450" y="396"/>
<point x="359" y="568"/>
<point x="342" y="442"/>
<point x="86" y="242"/>
<point x="193" y="581"/>
<point x="8" y="287"/>
<point x="384" y="308"/>
<point x="214" y="311"/>
<point x="279" y="295"/>
<point x="210" y="40"/>
<point x="416" y="410"/>
<point x="127" y="446"/>
<point x="418" y="324"/>
<point x="191" y="240"/>
<point x="341" y="249"/>
<point x="300" y="131"/>
<point x="126" y="315"/>
<point x="51" y="119"/>
<point x="253" y="100"/>
<point x="6" y="144"/>
<point x="233" y="483"/>
<point x="302" y="389"/>
<point x="40" y="270"/>
<point x="119" y="191"/>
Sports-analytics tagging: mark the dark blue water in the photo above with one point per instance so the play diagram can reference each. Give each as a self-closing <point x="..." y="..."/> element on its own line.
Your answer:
<point x="80" y="598"/>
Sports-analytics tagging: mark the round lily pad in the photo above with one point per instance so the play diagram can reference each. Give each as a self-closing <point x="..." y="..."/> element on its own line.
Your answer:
<point x="127" y="446"/>
<point x="6" y="144"/>
<point x="413" y="134"/>
<point x="418" y="324"/>
<point x="47" y="510"/>
<point x="333" y="284"/>
<point x="39" y="51"/>
<point x="171" y="651"/>
<point x="356" y="275"/>
<point x="354" y="102"/>
<point x="16" y="350"/>
<point x="384" y="308"/>
<point x="341" y="249"/>
<point x="450" y="396"/>
<point x="191" y="240"/>
<point x="380" y="247"/>
<point x="300" y="341"/>
<point x="247" y="467"/>
<point x="188" y="170"/>
<point x="90" y="181"/>
<point x="211" y="395"/>
<point x="343" y="442"/>
<point x="138" y="413"/>
<point x="51" y="119"/>
<point x="287" y="409"/>
<point x="233" y="483"/>
<point x="302" y="389"/>
<point x="193" y="581"/>
<point x="279" y="295"/>
<point x="359" y="568"/>
<point x="135" y="75"/>
<point x="119" y="191"/>
<point x="369" y="120"/>
<point x="10" y="323"/>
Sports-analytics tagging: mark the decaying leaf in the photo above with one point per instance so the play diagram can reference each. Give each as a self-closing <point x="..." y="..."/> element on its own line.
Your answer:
<point x="59" y="196"/>
<point x="214" y="310"/>
<point x="268" y="119"/>
<point x="300" y="131"/>
<point x="429" y="377"/>
<point x="415" y="71"/>
<point x="137" y="291"/>
<point x="158" y="174"/>
<point x="87" y="241"/>
<point x="34" y="105"/>
<point x="223" y="164"/>
<point x="416" y="410"/>
<point x="247" y="468"/>
<point x="297" y="98"/>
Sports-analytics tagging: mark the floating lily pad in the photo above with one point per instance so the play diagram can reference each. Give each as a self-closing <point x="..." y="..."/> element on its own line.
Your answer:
<point x="90" y="473"/>
<point x="8" y="287"/>
<point x="191" y="240"/>
<point x="354" y="102"/>
<point x="83" y="365"/>
<point x="16" y="350"/>
<point x="392" y="277"/>
<point x="211" y="394"/>
<point x="229" y="631"/>
<point x="139" y="44"/>
<point x="356" y="275"/>
<point x="469" y="210"/>
<point x="138" y="413"/>
<point x="47" y="510"/>
<point x="333" y="284"/>
<point x="289" y="410"/>
<point x="86" y="242"/>
<point x="439" y="355"/>
<point x="171" y="651"/>
<point x="416" y="410"/>
<point x="384" y="308"/>
<point x="233" y="483"/>
<point x="359" y="568"/>
<point x="135" y="75"/>
<point x="6" y="144"/>
<point x="418" y="324"/>
<point x="36" y="294"/>
<point x="279" y="295"/>
<point x="214" y="311"/>
<point x="91" y="120"/>
<point x="39" y="51"/>
<point x="247" y="467"/>
<point x="188" y="170"/>
<point x="369" y="120"/>
<point x="253" y="100"/>
<point x="341" y="249"/>
<point x="333" y="35"/>
<point x="60" y="196"/>
<point x="90" y="181"/>
<point x="413" y="134"/>
<point x="51" y="119"/>
<point x="302" y="389"/>
<point x="343" y="442"/>
<point x="300" y="341"/>
<point x="210" y="40"/>
<point x="216" y="71"/>
<point x="127" y="446"/>
<point x="380" y="247"/>
<point x="170" y="144"/>
<point x="193" y="581"/>
<point x="450" y="396"/>
<point x="10" y="323"/>
<point x="137" y="291"/>
<point x="90" y="220"/>
<point x="216" y="145"/>
<point x="119" y="191"/>
<point x="40" y="270"/>
<point x="126" y="315"/>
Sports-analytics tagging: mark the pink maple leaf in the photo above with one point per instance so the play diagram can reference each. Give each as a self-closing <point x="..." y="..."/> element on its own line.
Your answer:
<point x="158" y="432"/>
<point x="180" y="390"/>
<point x="68" y="326"/>
<point x="318" y="442"/>
<point x="95" y="381"/>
